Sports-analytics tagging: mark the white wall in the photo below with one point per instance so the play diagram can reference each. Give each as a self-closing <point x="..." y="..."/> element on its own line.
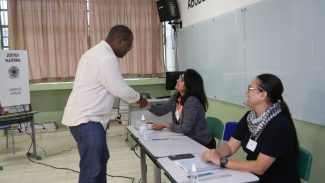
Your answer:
<point x="194" y="11"/>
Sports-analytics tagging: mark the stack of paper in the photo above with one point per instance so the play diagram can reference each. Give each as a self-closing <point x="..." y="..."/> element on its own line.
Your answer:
<point x="163" y="134"/>
<point x="124" y="112"/>
<point x="186" y="164"/>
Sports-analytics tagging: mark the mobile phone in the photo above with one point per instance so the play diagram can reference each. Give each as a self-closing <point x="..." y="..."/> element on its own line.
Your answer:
<point x="181" y="156"/>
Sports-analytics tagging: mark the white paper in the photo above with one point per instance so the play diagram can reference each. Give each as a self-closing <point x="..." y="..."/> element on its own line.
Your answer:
<point x="186" y="164"/>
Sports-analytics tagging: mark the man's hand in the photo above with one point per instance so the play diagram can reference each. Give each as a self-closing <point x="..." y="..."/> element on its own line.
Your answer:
<point x="142" y="102"/>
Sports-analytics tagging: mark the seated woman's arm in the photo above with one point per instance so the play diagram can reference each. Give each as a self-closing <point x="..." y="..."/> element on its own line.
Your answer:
<point x="190" y="111"/>
<point x="229" y="148"/>
<point x="258" y="166"/>
<point x="160" y="110"/>
<point x="224" y="150"/>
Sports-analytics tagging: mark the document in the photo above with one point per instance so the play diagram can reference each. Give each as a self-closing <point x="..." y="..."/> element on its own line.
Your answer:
<point x="163" y="134"/>
<point x="186" y="164"/>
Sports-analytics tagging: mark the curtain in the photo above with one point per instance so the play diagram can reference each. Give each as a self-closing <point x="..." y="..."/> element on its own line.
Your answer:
<point x="141" y="16"/>
<point x="54" y="32"/>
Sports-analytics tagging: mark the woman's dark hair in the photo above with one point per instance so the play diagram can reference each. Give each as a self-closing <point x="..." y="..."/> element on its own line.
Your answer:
<point x="194" y="87"/>
<point x="274" y="88"/>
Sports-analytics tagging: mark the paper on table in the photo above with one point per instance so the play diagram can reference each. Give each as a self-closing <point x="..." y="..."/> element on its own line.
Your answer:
<point x="162" y="134"/>
<point x="186" y="164"/>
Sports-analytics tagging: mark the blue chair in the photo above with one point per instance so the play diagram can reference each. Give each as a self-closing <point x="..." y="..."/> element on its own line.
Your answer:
<point x="216" y="127"/>
<point x="229" y="130"/>
<point x="304" y="164"/>
<point x="6" y="128"/>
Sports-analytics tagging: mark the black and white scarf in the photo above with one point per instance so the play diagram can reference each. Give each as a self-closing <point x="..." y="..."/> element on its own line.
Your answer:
<point x="256" y="125"/>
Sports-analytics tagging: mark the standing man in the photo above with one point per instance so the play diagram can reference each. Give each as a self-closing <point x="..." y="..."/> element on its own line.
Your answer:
<point x="98" y="80"/>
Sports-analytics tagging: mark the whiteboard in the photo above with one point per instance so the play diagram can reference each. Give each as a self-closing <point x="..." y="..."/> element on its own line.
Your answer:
<point x="283" y="37"/>
<point x="214" y="49"/>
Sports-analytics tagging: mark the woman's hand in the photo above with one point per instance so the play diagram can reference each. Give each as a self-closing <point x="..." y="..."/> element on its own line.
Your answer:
<point x="211" y="156"/>
<point x="160" y="126"/>
<point x="149" y="106"/>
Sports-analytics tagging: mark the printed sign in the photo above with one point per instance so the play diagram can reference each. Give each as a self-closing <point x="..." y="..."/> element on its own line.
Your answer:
<point x="14" y="81"/>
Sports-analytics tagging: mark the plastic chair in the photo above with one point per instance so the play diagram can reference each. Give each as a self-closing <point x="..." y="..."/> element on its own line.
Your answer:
<point x="216" y="126"/>
<point x="229" y="130"/>
<point x="5" y="128"/>
<point x="304" y="164"/>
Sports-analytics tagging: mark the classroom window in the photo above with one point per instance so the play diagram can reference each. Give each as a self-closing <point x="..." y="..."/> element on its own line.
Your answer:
<point x="4" y="32"/>
<point x="88" y="18"/>
<point x="169" y="37"/>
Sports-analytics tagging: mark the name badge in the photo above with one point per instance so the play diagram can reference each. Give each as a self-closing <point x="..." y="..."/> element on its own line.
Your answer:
<point x="251" y="145"/>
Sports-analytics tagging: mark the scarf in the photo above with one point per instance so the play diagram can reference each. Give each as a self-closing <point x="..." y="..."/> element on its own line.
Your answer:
<point x="256" y="125"/>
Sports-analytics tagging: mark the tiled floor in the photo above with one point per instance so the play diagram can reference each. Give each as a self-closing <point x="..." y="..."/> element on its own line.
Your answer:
<point x="59" y="149"/>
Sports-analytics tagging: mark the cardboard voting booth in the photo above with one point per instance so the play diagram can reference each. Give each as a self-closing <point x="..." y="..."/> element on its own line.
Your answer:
<point x="14" y="79"/>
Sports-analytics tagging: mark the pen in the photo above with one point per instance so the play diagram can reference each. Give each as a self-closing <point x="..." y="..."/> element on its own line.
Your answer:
<point x="202" y="174"/>
<point x="205" y="174"/>
<point x="166" y="139"/>
<point x="208" y="176"/>
<point x="180" y="166"/>
<point x="162" y="139"/>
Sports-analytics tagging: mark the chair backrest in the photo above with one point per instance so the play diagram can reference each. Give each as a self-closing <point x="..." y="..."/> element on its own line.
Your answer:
<point x="229" y="130"/>
<point x="304" y="163"/>
<point x="216" y="126"/>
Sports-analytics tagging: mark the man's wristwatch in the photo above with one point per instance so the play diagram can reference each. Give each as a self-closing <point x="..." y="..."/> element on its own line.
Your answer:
<point x="223" y="162"/>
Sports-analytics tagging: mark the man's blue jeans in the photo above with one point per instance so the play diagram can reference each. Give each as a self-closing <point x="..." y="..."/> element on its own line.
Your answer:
<point x="93" y="151"/>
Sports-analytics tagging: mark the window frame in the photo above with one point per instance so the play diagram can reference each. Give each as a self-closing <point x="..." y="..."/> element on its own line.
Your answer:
<point x="2" y="26"/>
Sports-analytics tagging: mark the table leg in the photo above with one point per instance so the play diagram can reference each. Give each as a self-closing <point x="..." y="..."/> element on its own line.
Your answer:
<point x="143" y="165"/>
<point x="34" y="154"/>
<point x="156" y="174"/>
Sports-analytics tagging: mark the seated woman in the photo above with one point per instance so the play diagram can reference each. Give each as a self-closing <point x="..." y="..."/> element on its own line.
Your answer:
<point x="266" y="133"/>
<point x="188" y="107"/>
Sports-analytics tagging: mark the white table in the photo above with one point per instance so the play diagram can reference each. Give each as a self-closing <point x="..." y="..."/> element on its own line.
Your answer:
<point x="155" y="134"/>
<point x="222" y="175"/>
<point x="171" y="146"/>
<point x="23" y="117"/>
<point x="166" y="143"/>
<point x="18" y="118"/>
<point x="135" y="113"/>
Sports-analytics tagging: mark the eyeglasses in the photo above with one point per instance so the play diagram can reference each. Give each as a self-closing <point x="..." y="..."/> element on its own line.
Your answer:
<point x="251" y="88"/>
<point x="181" y="77"/>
